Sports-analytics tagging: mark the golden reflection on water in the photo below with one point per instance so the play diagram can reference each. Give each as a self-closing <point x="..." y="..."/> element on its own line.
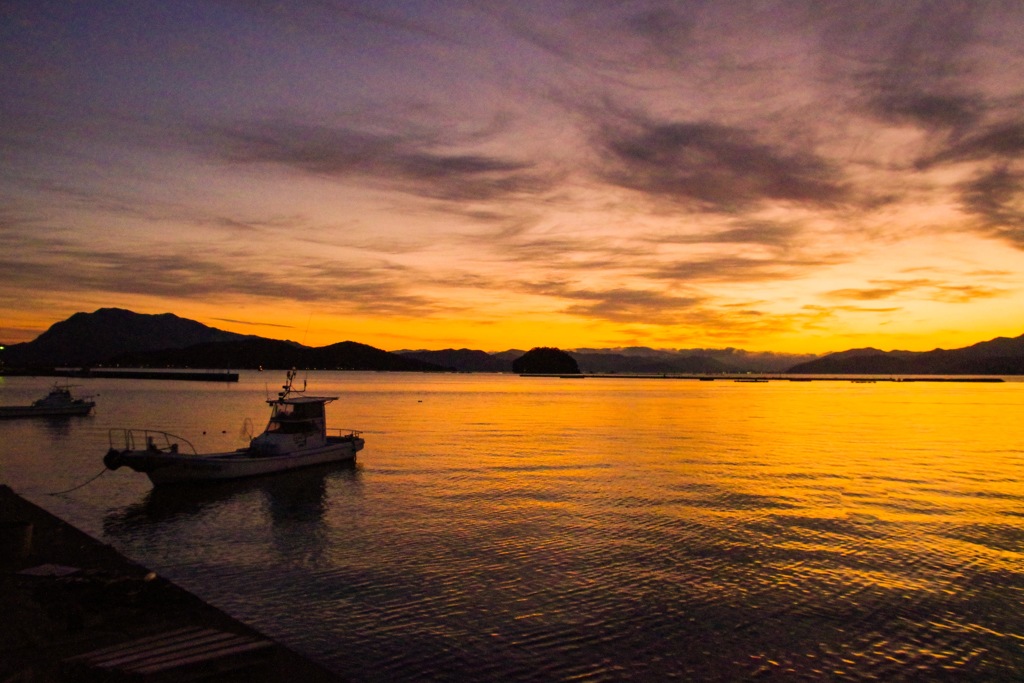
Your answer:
<point x="614" y="529"/>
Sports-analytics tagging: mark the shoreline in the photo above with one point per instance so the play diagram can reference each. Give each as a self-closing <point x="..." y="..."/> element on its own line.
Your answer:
<point x="80" y="595"/>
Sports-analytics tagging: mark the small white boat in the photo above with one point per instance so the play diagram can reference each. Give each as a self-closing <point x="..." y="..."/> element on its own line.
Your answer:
<point x="58" y="403"/>
<point x="296" y="436"/>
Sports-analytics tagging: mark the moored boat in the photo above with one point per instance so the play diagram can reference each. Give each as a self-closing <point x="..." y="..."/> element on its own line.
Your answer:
<point x="296" y="436"/>
<point x="58" y="403"/>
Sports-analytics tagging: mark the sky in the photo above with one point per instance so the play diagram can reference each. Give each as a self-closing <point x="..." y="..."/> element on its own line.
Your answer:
<point x="791" y="176"/>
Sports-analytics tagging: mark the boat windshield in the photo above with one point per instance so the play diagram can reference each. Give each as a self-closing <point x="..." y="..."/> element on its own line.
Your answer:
<point x="293" y="418"/>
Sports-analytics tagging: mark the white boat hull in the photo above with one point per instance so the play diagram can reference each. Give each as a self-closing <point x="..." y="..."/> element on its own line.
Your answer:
<point x="164" y="467"/>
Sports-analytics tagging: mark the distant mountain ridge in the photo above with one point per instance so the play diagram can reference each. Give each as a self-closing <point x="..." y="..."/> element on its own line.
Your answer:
<point x="999" y="356"/>
<point x="268" y="354"/>
<point x="462" y="360"/>
<point x="118" y="337"/>
<point x="607" y="363"/>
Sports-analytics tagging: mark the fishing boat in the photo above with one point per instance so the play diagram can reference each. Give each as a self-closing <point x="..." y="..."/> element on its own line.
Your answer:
<point x="58" y="403"/>
<point x="296" y="436"/>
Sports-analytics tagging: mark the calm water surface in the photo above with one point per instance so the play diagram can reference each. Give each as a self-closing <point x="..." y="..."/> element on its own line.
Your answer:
<point x="504" y="528"/>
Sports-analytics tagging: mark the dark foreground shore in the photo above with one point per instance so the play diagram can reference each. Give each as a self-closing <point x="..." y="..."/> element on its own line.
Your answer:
<point x="64" y="594"/>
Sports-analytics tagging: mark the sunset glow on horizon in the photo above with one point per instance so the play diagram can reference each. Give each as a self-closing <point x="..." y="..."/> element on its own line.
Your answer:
<point x="773" y="176"/>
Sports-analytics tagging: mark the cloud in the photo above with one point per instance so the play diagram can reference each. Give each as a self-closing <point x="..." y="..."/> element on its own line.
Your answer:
<point x="183" y="274"/>
<point x="713" y="167"/>
<point x="416" y="166"/>
<point x="997" y="198"/>
<point x="932" y="290"/>
<point x="928" y="110"/>
<point x="623" y="304"/>
<point x="751" y="232"/>
<point x="734" y="269"/>
<point x="1001" y="141"/>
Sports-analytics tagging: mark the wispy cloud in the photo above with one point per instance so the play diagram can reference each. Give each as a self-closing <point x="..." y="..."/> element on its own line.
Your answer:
<point x="932" y="290"/>
<point x="714" y="167"/>
<point x="415" y="166"/>
<point x="996" y="197"/>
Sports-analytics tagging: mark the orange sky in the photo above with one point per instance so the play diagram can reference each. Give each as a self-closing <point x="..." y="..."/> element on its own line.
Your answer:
<point x="767" y="176"/>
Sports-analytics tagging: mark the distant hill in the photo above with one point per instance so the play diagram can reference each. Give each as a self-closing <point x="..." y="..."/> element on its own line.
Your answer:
<point x="545" y="360"/>
<point x="609" y="363"/>
<point x="1000" y="356"/>
<point x="91" y="338"/>
<point x="678" y="360"/>
<point x="270" y="353"/>
<point x="463" y="360"/>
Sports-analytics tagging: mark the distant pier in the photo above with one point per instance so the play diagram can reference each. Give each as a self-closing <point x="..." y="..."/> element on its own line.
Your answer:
<point x="108" y="373"/>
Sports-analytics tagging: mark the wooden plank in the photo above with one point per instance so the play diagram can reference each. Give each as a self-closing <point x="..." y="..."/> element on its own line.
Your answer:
<point x="141" y="642"/>
<point x="241" y="649"/>
<point x="159" y="649"/>
<point x="178" y="652"/>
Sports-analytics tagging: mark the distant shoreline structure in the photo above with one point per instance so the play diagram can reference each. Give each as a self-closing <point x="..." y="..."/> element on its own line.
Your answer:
<point x="104" y="373"/>
<point x="857" y="379"/>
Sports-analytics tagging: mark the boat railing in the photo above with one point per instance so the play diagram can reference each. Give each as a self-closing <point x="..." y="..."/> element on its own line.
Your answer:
<point x="149" y="439"/>
<point x="338" y="432"/>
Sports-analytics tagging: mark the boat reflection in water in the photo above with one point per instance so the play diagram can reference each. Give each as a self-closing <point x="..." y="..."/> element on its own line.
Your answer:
<point x="286" y="513"/>
<point x="299" y="496"/>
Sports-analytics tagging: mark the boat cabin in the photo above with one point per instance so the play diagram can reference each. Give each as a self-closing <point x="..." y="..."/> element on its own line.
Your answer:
<point x="295" y="423"/>
<point x="298" y="415"/>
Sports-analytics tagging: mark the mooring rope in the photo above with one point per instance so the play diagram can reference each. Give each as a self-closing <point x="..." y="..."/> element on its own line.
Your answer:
<point x="75" y="488"/>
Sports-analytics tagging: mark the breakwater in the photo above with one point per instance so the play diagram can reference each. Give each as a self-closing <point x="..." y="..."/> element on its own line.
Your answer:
<point x="104" y="373"/>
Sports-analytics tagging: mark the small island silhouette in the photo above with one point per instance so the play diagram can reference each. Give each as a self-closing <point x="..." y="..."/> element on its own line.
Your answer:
<point x="544" y="360"/>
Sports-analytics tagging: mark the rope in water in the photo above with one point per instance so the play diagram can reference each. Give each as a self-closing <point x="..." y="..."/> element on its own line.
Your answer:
<point x="75" y="488"/>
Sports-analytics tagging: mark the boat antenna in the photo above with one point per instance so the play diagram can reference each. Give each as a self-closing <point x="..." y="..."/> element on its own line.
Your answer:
<point x="305" y="334"/>
<point x="288" y="388"/>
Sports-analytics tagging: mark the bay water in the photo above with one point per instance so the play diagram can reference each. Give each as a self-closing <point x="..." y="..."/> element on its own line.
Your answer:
<point x="542" y="529"/>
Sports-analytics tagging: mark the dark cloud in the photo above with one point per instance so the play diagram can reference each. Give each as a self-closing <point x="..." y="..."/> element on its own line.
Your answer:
<point x="866" y="294"/>
<point x="928" y="110"/>
<point x="714" y="167"/>
<point x="366" y="287"/>
<point x="734" y="269"/>
<point x="997" y="198"/>
<point x="753" y="233"/>
<point x="912" y="60"/>
<point x="965" y="294"/>
<point x="932" y="290"/>
<point x="625" y="305"/>
<point x="665" y="27"/>
<point x="1002" y="142"/>
<point x="411" y="165"/>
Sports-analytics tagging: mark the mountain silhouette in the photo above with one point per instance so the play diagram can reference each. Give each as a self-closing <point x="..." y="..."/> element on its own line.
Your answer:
<point x="268" y="354"/>
<point x="1000" y="356"/>
<point x="609" y="363"/>
<point x="92" y="338"/>
<point x="117" y="337"/>
<point x="463" y="360"/>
